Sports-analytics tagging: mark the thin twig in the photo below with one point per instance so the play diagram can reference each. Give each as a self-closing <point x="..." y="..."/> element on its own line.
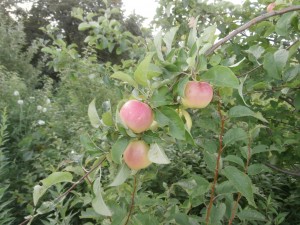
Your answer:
<point x="212" y="195"/>
<point x="71" y="188"/>
<point x="132" y="200"/>
<point x="249" y="24"/>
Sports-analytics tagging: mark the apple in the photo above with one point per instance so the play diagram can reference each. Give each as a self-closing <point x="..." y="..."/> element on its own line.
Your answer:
<point x="271" y="6"/>
<point x="197" y="94"/>
<point x="136" y="155"/>
<point x="136" y="115"/>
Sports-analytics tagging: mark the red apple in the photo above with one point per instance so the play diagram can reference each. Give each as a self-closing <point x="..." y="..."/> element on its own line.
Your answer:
<point x="270" y="7"/>
<point x="197" y="94"/>
<point x="136" y="155"/>
<point x="136" y="115"/>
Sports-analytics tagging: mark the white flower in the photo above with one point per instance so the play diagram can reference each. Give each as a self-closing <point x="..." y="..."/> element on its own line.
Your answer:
<point x="39" y="108"/>
<point x="44" y="109"/>
<point x="41" y="122"/>
<point x="72" y="152"/>
<point x="48" y="101"/>
<point x="31" y="98"/>
<point x="16" y="93"/>
<point x="20" y="102"/>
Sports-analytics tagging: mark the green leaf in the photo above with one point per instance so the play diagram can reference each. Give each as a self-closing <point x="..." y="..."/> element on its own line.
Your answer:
<point x="240" y="89"/>
<point x="83" y="26"/>
<point x="98" y="203"/>
<point x="269" y="65"/>
<point x="169" y="37"/>
<point x="255" y="169"/>
<point x="181" y="85"/>
<point x="250" y="214"/>
<point x="153" y="71"/>
<point x="140" y="74"/>
<point x="241" y="182"/>
<point x="260" y="148"/>
<point x="233" y="135"/>
<point x="242" y="111"/>
<point x="118" y="148"/>
<point x="280" y="57"/>
<point x="124" y="77"/>
<point x="256" y="51"/>
<point x="284" y="23"/>
<point x="122" y="176"/>
<point x="157" y="43"/>
<point x="107" y="118"/>
<point x="161" y="97"/>
<point x="175" y="123"/>
<point x="157" y="154"/>
<point x="221" y="76"/>
<point x="93" y="115"/>
<point x="217" y="213"/>
<point x="235" y="159"/>
<point x="52" y="179"/>
<point x="57" y="177"/>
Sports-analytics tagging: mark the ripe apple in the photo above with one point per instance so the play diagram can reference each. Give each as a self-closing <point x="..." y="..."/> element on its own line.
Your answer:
<point x="271" y="6"/>
<point x="197" y="94"/>
<point x="136" y="115"/>
<point x="136" y="155"/>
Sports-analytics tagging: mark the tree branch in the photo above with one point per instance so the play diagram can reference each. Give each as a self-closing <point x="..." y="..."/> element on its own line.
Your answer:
<point x="249" y="24"/>
<point x="288" y="172"/>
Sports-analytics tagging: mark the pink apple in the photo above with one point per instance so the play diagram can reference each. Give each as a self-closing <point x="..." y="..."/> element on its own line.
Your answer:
<point x="136" y="155"/>
<point x="136" y="115"/>
<point x="197" y="94"/>
<point x="271" y="6"/>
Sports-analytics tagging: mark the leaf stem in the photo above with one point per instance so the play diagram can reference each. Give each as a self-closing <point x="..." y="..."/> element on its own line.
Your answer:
<point x="212" y="195"/>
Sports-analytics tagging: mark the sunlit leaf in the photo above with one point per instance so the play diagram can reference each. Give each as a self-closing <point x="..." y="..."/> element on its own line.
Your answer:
<point x="221" y="76"/>
<point x="242" y="111"/>
<point x="157" y="154"/>
<point x="121" y="176"/>
<point x="118" y="148"/>
<point x="98" y="203"/>
<point x="124" y="77"/>
<point x="140" y="74"/>
<point x="93" y="115"/>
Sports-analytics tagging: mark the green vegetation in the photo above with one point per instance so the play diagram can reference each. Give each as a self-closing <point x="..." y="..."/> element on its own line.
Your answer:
<point x="77" y="148"/>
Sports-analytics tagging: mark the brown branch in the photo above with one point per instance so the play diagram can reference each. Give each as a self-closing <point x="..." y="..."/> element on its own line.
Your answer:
<point x="132" y="200"/>
<point x="249" y="24"/>
<point x="71" y="188"/>
<point x="234" y="209"/>
<point x="212" y="195"/>
<point x="288" y="172"/>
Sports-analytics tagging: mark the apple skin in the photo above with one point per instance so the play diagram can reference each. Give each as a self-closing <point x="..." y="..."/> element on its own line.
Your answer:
<point x="197" y="94"/>
<point x="270" y="7"/>
<point x="136" y="115"/>
<point x="136" y="155"/>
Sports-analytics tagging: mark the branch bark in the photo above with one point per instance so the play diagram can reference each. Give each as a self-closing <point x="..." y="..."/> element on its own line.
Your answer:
<point x="288" y="172"/>
<point x="249" y="24"/>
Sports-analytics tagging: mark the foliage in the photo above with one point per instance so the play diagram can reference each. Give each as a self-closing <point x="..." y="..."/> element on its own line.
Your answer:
<point x="209" y="166"/>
